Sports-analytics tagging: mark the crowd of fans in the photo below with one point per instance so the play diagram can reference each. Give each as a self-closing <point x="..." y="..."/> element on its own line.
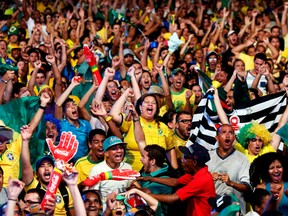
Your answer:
<point x="133" y="108"/>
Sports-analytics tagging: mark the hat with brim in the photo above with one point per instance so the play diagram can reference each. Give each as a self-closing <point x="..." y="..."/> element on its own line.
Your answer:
<point x="13" y="31"/>
<point x="112" y="141"/>
<point x="5" y="132"/>
<point x="177" y="70"/>
<point x="230" y="33"/>
<point x="154" y="89"/>
<point x="44" y="158"/>
<point x="225" y="205"/>
<point x="196" y="152"/>
<point x="128" y="52"/>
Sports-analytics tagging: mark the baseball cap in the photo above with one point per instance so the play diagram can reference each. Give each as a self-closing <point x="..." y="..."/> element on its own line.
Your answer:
<point x="226" y="205"/>
<point x="13" y="31"/>
<point x="5" y="132"/>
<point x="196" y="152"/>
<point x="16" y="47"/>
<point x="47" y="158"/>
<point x="230" y="33"/>
<point x="154" y="89"/>
<point x="211" y="53"/>
<point x="111" y="141"/>
<point x="128" y="52"/>
<point x="177" y="70"/>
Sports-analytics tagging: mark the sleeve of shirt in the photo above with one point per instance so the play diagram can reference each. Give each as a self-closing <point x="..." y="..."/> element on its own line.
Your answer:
<point x="33" y="184"/>
<point x="168" y="138"/>
<point x="185" y="179"/>
<point x="193" y="188"/>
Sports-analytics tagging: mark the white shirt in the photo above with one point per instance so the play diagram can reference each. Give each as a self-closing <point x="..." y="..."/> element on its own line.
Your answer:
<point x="252" y="213"/>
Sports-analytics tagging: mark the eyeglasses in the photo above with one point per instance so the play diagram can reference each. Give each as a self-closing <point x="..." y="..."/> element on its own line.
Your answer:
<point x="29" y="202"/>
<point x="212" y="59"/>
<point x="185" y="121"/>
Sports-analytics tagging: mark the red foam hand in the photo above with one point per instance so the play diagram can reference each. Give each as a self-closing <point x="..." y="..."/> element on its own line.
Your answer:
<point x="52" y="187"/>
<point x="117" y="174"/>
<point x="92" y="180"/>
<point x="66" y="149"/>
<point x="90" y="58"/>
<point x="123" y="174"/>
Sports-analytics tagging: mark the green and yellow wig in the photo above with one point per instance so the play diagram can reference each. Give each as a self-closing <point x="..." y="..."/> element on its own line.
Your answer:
<point x="250" y="131"/>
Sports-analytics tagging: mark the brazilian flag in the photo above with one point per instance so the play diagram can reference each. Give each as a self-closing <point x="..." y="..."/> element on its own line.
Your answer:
<point x="20" y="112"/>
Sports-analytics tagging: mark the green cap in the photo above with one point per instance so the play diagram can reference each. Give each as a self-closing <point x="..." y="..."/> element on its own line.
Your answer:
<point x="13" y="31"/>
<point x="6" y="67"/>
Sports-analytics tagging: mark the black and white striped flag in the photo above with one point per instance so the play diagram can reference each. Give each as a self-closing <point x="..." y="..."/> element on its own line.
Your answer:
<point x="265" y="110"/>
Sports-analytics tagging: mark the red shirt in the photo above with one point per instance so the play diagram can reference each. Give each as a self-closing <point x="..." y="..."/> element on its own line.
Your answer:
<point x="198" y="188"/>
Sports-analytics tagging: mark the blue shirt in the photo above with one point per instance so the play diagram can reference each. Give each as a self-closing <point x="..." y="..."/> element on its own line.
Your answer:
<point x="81" y="133"/>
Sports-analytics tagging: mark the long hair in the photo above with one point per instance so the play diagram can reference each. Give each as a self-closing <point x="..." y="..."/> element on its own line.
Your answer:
<point x="259" y="169"/>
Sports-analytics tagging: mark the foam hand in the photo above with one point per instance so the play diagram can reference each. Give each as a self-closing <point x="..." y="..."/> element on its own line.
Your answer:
<point x="66" y="149"/>
<point x="174" y="42"/>
<point x="52" y="187"/>
<point x="117" y="174"/>
<point x="91" y="60"/>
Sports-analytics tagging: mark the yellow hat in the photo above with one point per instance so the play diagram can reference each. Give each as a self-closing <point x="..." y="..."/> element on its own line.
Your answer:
<point x="42" y="87"/>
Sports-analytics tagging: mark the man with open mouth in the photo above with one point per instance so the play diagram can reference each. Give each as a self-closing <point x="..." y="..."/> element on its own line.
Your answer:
<point x="114" y="150"/>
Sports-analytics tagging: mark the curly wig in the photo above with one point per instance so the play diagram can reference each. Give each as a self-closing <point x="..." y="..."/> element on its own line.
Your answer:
<point x="250" y="131"/>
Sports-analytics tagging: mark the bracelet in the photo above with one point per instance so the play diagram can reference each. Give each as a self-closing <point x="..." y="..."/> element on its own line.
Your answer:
<point x="12" y="199"/>
<point x="109" y="118"/>
<point x="136" y="120"/>
<point x="42" y="107"/>
<point x="4" y="81"/>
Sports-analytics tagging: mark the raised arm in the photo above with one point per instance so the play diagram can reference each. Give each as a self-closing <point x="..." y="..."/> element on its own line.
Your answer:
<point x="67" y="92"/>
<point x="71" y="181"/>
<point x="220" y="111"/>
<point x="31" y="83"/>
<point x="284" y="20"/>
<point x="138" y="131"/>
<point x="84" y="112"/>
<point x="26" y="134"/>
<point x="165" y="87"/>
<point x="275" y="142"/>
<point x="117" y="107"/>
<point x="135" y="86"/>
<point x="108" y="75"/>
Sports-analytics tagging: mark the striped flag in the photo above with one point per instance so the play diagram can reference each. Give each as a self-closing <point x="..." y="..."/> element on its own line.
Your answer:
<point x="265" y="110"/>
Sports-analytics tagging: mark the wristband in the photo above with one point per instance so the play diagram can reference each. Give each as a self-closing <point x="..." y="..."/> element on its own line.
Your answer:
<point x="12" y="199"/>
<point x="136" y="120"/>
<point x="109" y="118"/>
<point x="42" y="107"/>
<point x="4" y="81"/>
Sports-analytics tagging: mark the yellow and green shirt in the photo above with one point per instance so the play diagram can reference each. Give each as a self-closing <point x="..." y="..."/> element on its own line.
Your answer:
<point x="60" y="205"/>
<point x="83" y="166"/>
<point x="179" y="99"/>
<point x="10" y="160"/>
<point x="266" y="149"/>
<point x="155" y="133"/>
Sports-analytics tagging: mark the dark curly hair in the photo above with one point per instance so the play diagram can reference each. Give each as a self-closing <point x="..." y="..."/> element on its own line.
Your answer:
<point x="259" y="169"/>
